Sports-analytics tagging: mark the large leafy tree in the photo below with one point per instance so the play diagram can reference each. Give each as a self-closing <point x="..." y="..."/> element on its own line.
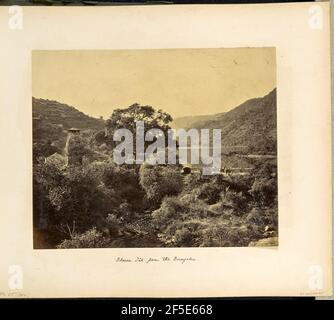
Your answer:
<point x="126" y="119"/>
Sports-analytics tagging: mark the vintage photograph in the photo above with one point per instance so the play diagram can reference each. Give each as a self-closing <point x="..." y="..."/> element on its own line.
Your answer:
<point x="154" y="148"/>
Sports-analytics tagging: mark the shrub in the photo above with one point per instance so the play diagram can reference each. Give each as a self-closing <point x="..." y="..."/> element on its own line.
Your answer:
<point x="264" y="191"/>
<point x="170" y="209"/>
<point x="236" y="201"/>
<point x="159" y="181"/>
<point x="263" y="218"/>
<point x="185" y="238"/>
<point x="226" y="235"/>
<point x="89" y="239"/>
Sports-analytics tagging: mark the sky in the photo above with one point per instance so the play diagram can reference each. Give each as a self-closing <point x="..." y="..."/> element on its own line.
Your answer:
<point x="182" y="82"/>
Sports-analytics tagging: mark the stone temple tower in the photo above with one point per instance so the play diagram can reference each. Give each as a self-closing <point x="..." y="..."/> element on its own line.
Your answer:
<point x="70" y="133"/>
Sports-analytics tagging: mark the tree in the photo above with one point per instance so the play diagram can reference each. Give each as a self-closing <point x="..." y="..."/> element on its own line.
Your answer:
<point x="46" y="176"/>
<point x="79" y="200"/>
<point x="126" y="119"/>
<point x="77" y="149"/>
<point x="43" y="149"/>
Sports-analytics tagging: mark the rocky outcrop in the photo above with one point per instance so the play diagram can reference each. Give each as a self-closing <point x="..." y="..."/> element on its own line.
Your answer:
<point x="267" y="242"/>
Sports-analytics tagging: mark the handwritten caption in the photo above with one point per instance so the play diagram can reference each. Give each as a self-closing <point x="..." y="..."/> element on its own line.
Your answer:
<point x="151" y="260"/>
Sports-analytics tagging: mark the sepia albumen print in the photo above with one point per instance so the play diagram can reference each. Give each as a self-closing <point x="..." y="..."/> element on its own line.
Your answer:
<point x="154" y="148"/>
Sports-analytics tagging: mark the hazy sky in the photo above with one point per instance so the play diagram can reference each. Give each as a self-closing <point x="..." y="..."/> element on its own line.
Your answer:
<point x="179" y="81"/>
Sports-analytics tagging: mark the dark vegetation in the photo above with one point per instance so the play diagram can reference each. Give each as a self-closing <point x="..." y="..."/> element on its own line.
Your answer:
<point x="91" y="202"/>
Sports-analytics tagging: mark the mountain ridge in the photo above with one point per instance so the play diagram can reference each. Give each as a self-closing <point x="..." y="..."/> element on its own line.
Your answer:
<point x="58" y="113"/>
<point x="249" y="127"/>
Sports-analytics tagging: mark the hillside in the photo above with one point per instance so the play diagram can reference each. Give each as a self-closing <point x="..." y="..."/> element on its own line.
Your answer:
<point x="248" y="128"/>
<point x="189" y="121"/>
<point x="56" y="113"/>
<point x="51" y="120"/>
